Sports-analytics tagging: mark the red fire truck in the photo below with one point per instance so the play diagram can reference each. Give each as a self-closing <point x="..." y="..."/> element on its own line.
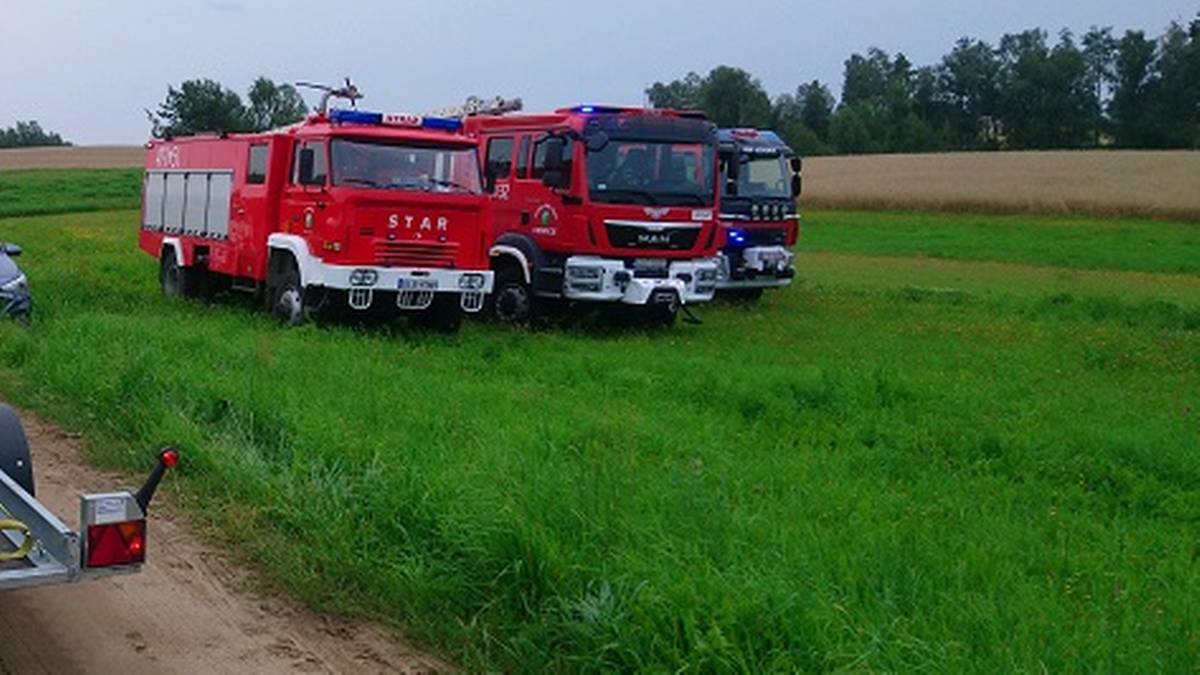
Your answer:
<point x="600" y="204"/>
<point x="348" y="209"/>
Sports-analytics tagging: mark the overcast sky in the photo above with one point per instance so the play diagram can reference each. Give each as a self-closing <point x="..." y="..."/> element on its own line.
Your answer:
<point x="88" y="68"/>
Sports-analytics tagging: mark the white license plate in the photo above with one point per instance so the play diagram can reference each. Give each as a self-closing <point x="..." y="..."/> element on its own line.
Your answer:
<point x="417" y="284"/>
<point x="650" y="264"/>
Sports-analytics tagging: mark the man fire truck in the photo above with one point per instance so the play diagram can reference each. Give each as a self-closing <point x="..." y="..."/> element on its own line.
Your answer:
<point x="369" y="212"/>
<point x="600" y="204"/>
<point x="760" y="182"/>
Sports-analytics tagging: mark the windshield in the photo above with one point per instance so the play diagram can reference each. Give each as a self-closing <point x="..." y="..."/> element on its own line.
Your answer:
<point x="651" y="172"/>
<point x="763" y="177"/>
<point x="389" y="166"/>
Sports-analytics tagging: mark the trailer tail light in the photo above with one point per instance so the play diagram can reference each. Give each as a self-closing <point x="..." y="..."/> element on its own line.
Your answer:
<point x="116" y="544"/>
<point x="114" y="524"/>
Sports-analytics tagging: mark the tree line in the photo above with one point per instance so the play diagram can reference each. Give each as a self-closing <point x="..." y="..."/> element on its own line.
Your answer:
<point x="204" y="105"/>
<point x="28" y="135"/>
<point x="1026" y="92"/>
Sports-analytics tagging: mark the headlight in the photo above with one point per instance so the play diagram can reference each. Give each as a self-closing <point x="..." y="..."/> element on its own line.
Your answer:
<point x="470" y="282"/>
<point x="363" y="277"/>
<point x="585" y="272"/>
<point x="706" y="274"/>
<point x="756" y="211"/>
<point x="19" y="284"/>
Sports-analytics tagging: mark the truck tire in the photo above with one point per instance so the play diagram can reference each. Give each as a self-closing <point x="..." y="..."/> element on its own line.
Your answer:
<point x="512" y="299"/>
<point x="14" y="449"/>
<point x="445" y="315"/>
<point x="175" y="279"/>
<point x="287" y="298"/>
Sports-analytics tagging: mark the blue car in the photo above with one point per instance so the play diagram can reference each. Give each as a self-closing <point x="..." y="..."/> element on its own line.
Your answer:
<point x="15" y="301"/>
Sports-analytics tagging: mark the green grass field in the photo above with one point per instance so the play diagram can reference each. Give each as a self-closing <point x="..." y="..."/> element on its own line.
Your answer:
<point x="956" y="444"/>
<point x="47" y="191"/>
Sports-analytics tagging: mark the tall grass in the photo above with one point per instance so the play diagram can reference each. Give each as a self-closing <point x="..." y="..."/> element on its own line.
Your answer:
<point x="873" y="475"/>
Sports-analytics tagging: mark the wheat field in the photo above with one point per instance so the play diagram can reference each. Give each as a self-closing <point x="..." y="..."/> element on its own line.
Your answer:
<point x="80" y="157"/>
<point x="1104" y="183"/>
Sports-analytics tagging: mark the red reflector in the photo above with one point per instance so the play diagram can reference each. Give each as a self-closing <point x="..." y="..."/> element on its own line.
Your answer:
<point x="169" y="458"/>
<point x="116" y="544"/>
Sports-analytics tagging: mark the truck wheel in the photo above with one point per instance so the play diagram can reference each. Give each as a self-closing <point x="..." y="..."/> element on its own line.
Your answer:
<point x="512" y="298"/>
<point x="14" y="449"/>
<point x="173" y="277"/>
<point x="445" y="315"/>
<point x="287" y="299"/>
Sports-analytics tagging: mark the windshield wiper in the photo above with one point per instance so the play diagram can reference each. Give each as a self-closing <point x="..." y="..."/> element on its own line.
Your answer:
<point x="359" y="181"/>
<point x="644" y="194"/>
<point x="699" y="199"/>
<point x="450" y="184"/>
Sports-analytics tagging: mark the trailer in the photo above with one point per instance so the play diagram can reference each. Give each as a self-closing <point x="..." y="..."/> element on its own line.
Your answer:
<point x="365" y="212"/>
<point x="760" y="185"/>
<point x="38" y="549"/>
<point x="601" y="205"/>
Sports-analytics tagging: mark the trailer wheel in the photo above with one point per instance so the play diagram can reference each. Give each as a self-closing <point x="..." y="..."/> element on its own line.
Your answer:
<point x="287" y="299"/>
<point x="14" y="449"/>
<point x="512" y="299"/>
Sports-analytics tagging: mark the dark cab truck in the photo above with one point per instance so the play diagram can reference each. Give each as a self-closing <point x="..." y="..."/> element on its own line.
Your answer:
<point x="760" y="183"/>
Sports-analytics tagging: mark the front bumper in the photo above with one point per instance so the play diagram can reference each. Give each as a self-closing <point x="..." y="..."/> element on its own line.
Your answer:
<point x="756" y="267"/>
<point x="412" y="288"/>
<point x="597" y="279"/>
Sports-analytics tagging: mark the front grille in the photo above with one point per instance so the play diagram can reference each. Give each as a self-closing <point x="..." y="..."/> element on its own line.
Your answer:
<point x="771" y="237"/>
<point x="415" y="253"/>
<point x="666" y="238"/>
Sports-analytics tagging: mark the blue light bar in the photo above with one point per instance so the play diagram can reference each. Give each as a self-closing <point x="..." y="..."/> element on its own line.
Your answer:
<point x="355" y="117"/>
<point x="444" y="123"/>
<point x="394" y="120"/>
<point x="596" y="109"/>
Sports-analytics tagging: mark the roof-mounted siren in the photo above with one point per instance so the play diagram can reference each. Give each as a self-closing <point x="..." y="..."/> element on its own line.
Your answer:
<point x="348" y="92"/>
<point x="475" y="105"/>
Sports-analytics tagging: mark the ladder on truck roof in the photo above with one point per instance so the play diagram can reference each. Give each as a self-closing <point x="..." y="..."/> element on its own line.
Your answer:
<point x="475" y="105"/>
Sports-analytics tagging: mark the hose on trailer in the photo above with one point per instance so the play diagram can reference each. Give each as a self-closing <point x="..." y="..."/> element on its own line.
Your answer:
<point x="26" y="545"/>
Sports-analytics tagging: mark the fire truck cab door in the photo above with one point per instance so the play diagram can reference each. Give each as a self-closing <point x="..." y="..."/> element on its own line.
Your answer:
<point x="303" y="206"/>
<point x="544" y="212"/>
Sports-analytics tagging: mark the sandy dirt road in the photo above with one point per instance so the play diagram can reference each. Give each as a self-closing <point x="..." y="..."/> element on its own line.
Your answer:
<point x="181" y="614"/>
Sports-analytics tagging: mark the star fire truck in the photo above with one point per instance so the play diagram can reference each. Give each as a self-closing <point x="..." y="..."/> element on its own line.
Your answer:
<point x="362" y="211"/>
<point x="600" y="204"/>
<point x="760" y="182"/>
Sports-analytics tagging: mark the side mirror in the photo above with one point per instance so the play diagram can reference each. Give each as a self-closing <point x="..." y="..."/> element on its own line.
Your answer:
<point x="12" y="250"/>
<point x="797" y="185"/>
<point x="308" y="158"/>
<point x="797" y="164"/>
<point x="556" y="179"/>
<point x="555" y="175"/>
